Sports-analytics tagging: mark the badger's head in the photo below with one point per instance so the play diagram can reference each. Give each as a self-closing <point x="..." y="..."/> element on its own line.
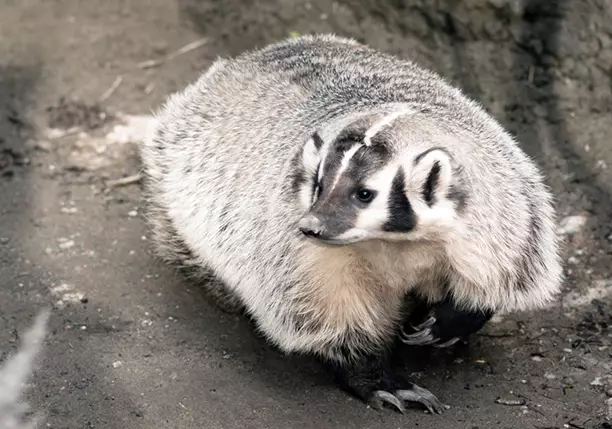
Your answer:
<point x="375" y="181"/>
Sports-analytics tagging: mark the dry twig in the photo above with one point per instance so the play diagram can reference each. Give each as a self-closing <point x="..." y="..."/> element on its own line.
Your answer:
<point x="187" y="48"/>
<point x="112" y="89"/>
<point x="124" y="181"/>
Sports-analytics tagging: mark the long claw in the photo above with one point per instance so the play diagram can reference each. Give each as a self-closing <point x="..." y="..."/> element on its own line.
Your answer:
<point x="422" y="396"/>
<point x="426" y="324"/>
<point x="417" y="338"/>
<point x="447" y="343"/>
<point x="384" y="396"/>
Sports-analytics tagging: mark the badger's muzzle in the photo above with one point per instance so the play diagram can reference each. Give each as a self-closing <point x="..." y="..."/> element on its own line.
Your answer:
<point x="311" y="226"/>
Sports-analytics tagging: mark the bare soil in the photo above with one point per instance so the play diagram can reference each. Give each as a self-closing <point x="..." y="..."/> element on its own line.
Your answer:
<point x="133" y="345"/>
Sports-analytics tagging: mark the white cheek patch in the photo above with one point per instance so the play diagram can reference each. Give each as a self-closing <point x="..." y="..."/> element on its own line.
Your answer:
<point x="384" y="122"/>
<point x="442" y="212"/>
<point x="353" y="234"/>
<point x="376" y="214"/>
<point x="310" y="157"/>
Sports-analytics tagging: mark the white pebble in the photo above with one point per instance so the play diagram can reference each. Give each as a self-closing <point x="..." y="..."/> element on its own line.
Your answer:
<point x="571" y="224"/>
<point x="117" y="364"/>
<point x="66" y="244"/>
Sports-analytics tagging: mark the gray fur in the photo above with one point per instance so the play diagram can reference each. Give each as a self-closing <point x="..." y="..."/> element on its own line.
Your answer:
<point x="228" y="183"/>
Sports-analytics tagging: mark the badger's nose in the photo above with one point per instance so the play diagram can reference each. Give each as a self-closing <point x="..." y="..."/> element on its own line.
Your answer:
<point x="310" y="226"/>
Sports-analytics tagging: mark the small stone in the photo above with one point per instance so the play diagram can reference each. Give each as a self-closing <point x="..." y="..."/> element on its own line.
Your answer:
<point x="571" y="224"/>
<point x="132" y="213"/>
<point x="66" y="244"/>
<point x="572" y="260"/>
<point x="43" y="145"/>
<point x="117" y="364"/>
<point x="69" y="210"/>
<point x="597" y="382"/>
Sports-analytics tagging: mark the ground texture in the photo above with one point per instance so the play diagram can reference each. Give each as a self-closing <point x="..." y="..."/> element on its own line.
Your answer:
<point x="133" y="345"/>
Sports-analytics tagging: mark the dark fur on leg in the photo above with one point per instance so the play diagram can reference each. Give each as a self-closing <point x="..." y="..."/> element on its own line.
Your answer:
<point x="441" y="324"/>
<point x="372" y="380"/>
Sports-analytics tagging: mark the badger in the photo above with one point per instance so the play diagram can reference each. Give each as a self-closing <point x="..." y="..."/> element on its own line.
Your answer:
<point x="322" y="182"/>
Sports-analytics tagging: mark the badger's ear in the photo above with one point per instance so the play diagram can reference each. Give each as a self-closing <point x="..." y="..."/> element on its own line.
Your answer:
<point x="311" y="153"/>
<point x="433" y="170"/>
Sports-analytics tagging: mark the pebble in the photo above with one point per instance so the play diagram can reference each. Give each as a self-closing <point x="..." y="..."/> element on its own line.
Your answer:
<point x="43" y="145"/>
<point x="69" y="210"/>
<point x="571" y="224"/>
<point x="66" y="244"/>
<point x="117" y="364"/>
<point x="132" y="213"/>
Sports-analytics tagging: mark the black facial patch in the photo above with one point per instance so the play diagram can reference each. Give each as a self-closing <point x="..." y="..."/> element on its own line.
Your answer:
<point x="458" y="195"/>
<point x="401" y="215"/>
<point x="317" y="186"/>
<point x="318" y="141"/>
<point x="430" y="184"/>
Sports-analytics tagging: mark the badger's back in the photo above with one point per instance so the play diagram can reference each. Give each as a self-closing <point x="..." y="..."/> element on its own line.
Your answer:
<point x="221" y="173"/>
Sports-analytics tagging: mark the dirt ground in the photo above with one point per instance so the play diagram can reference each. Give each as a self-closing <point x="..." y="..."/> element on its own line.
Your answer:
<point x="133" y="345"/>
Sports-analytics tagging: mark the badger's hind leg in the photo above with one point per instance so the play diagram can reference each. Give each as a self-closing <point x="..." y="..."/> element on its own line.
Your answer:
<point x="372" y="380"/>
<point x="441" y="324"/>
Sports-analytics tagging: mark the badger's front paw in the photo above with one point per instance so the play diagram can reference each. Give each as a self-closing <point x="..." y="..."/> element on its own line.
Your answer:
<point x="400" y="393"/>
<point x="373" y="382"/>
<point x="443" y="325"/>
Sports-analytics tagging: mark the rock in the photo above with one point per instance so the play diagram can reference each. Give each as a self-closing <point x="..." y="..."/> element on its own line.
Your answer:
<point x="571" y="224"/>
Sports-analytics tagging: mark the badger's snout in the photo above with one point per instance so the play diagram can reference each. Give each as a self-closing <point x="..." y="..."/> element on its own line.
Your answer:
<point x="310" y="226"/>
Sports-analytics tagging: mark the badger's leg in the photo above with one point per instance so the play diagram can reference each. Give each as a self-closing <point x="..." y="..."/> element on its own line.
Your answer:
<point x="442" y="324"/>
<point x="373" y="381"/>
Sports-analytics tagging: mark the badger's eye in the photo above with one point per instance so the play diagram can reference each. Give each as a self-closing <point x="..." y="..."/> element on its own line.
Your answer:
<point x="365" y="195"/>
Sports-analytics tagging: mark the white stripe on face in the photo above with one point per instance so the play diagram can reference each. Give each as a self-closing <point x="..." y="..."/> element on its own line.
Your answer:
<point x="346" y="160"/>
<point x="385" y="121"/>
